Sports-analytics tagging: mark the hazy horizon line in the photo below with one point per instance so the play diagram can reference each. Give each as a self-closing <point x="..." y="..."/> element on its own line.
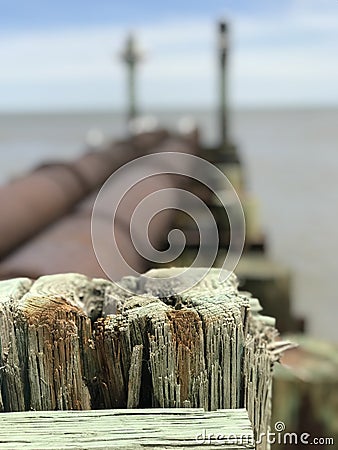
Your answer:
<point x="148" y="111"/>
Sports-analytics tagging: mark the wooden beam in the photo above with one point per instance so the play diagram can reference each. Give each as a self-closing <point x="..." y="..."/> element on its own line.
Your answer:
<point x="132" y="429"/>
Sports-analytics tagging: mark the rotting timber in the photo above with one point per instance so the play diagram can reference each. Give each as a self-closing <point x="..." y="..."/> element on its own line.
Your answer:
<point x="69" y="342"/>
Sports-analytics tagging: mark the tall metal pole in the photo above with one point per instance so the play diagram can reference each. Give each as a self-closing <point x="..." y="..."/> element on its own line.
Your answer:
<point x="131" y="56"/>
<point x="223" y="53"/>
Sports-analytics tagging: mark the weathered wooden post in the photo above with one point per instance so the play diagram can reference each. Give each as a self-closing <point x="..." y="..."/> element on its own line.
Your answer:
<point x="160" y="343"/>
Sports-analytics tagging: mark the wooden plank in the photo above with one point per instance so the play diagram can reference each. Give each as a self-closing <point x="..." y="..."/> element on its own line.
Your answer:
<point x="127" y="429"/>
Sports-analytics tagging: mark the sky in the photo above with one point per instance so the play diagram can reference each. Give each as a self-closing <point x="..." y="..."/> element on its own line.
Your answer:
<point x="65" y="55"/>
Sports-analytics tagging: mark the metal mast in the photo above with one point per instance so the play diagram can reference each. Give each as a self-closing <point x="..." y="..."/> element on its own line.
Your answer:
<point x="131" y="56"/>
<point x="223" y="53"/>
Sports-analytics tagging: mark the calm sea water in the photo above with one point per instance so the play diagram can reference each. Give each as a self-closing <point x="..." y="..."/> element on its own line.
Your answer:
<point x="291" y="160"/>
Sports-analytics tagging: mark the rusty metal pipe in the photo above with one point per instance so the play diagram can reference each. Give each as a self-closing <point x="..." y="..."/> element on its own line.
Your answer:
<point x="66" y="246"/>
<point x="36" y="200"/>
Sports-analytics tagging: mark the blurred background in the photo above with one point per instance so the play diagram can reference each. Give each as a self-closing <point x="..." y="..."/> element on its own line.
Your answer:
<point x="62" y="85"/>
<point x="64" y="90"/>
